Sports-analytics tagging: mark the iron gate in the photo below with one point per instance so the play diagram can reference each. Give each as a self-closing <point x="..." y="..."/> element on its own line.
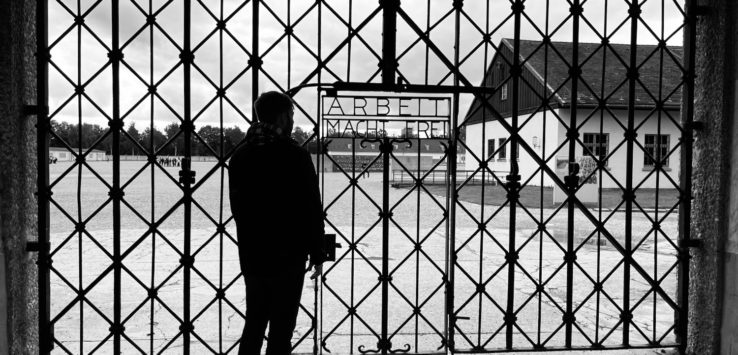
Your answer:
<point x="385" y="293"/>
<point x="568" y="227"/>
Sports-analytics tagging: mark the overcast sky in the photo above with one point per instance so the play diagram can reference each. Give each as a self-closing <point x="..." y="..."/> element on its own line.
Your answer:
<point x="287" y="67"/>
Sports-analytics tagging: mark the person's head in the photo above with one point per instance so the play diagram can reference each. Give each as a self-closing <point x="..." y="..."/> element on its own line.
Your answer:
<point x="275" y="108"/>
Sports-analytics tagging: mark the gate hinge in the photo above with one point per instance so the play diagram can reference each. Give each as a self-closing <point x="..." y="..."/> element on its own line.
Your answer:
<point x="30" y="110"/>
<point x="33" y="110"/>
<point x="696" y="126"/>
<point x="702" y="10"/>
<point x="691" y="243"/>
<point x="35" y="246"/>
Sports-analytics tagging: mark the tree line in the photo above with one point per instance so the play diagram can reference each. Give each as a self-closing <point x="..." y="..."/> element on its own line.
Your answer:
<point x="90" y="134"/>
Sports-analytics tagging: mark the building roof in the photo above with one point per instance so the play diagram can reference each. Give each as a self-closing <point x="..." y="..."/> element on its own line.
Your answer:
<point x="552" y="70"/>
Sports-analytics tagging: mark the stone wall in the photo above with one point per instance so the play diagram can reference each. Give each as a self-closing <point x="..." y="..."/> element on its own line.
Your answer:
<point x="714" y="107"/>
<point x="18" y="327"/>
<point x="729" y="328"/>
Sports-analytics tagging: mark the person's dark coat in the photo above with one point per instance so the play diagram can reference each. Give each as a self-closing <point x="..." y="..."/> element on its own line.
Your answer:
<point x="276" y="204"/>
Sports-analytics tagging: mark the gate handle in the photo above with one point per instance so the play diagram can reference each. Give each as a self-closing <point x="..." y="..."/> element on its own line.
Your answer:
<point x="329" y="247"/>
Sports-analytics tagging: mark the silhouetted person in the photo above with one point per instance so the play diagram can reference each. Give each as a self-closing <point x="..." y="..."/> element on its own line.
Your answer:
<point x="279" y="219"/>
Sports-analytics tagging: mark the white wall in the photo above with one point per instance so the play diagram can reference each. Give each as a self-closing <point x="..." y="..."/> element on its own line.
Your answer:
<point x="617" y="162"/>
<point x="61" y="155"/>
<point x="555" y="134"/>
<point x="476" y="139"/>
<point x="64" y="155"/>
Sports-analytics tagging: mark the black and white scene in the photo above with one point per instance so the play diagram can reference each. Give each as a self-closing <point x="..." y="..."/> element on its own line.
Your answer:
<point x="369" y="177"/>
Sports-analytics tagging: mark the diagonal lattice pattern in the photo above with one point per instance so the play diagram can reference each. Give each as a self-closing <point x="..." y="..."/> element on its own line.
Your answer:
<point x="609" y="308"/>
<point x="141" y="245"/>
<point x="172" y="252"/>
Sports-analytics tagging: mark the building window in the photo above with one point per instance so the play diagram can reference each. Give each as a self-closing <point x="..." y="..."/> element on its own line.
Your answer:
<point x="503" y="92"/>
<point x="502" y="154"/>
<point x="657" y="148"/>
<point x="490" y="148"/>
<point x="596" y="144"/>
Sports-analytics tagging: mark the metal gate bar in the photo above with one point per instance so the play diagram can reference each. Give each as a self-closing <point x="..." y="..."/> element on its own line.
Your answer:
<point x="116" y="193"/>
<point x="685" y="177"/>
<point x="573" y="181"/>
<point x="513" y="180"/>
<point x="187" y="177"/>
<point x="43" y="191"/>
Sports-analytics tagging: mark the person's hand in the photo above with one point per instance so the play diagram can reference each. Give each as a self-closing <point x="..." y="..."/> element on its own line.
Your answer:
<point x="317" y="272"/>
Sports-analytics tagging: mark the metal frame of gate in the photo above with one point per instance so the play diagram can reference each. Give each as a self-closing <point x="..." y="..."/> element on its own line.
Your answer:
<point x="388" y="78"/>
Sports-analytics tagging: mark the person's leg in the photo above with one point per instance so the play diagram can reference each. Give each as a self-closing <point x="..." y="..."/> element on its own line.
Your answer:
<point x="287" y="291"/>
<point x="257" y="316"/>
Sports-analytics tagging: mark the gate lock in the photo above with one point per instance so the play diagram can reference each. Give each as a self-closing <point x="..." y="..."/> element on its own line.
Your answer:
<point x="329" y="247"/>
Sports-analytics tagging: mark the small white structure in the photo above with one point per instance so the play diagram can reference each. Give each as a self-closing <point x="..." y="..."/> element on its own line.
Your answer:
<point x="63" y="154"/>
<point x="601" y="115"/>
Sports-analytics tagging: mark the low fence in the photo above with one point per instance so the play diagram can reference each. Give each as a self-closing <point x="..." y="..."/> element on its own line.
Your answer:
<point x="144" y="157"/>
<point x="438" y="177"/>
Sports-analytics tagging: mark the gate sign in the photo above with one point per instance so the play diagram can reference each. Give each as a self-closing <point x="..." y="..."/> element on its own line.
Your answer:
<point x="374" y="116"/>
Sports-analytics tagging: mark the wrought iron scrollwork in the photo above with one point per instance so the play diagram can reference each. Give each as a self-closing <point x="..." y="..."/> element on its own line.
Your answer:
<point x="364" y="141"/>
<point x="384" y="347"/>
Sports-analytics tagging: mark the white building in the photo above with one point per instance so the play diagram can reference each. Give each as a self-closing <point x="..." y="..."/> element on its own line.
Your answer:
<point x="601" y="119"/>
<point x="63" y="154"/>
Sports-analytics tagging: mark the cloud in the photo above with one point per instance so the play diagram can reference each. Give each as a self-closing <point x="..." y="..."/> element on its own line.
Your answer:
<point x="289" y="60"/>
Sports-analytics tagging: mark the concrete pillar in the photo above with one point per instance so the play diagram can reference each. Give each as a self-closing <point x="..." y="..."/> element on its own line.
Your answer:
<point x="715" y="107"/>
<point x="729" y="327"/>
<point x="18" y="296"/>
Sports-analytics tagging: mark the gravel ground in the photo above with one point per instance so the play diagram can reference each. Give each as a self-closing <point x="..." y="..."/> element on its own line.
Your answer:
<point x="416" y="297"/>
